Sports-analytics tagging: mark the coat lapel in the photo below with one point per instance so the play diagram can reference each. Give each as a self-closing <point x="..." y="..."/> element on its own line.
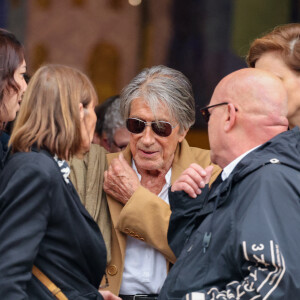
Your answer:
<point x="182" y="159"/>
<point x="115" y="207"/>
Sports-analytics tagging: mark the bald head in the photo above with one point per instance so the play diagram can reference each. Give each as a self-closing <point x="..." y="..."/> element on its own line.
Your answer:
<point x="256" y="92"/>
<point x="256" y="112"/>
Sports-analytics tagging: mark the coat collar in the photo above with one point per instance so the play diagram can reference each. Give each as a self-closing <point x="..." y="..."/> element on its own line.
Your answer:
<point x="68" y="184"/>
<point x="182" y="159"/>
<point x="282" y="149"/>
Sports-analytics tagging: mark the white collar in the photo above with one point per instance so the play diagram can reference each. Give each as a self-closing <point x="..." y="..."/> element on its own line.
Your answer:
<point x="229" y="168"/>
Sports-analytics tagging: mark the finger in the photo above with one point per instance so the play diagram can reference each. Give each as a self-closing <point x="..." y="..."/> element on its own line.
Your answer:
<point x="120" y="164"/>
<point x="124" y="162"/>
<point x="109" y="181"/>
<point x="105" y="181"/>
<point x="115" y="161"/>
<point x="183" y="186"/>
<point x="189" y="181"/>
<point x="209" y="171"/>
<point x="198" y="169"/>
<point x="121" y="156"/>
<point x="195" y="176"/>
<point x="108" y="295"/>
<point x="110" y="169"/>
<point x="105" y="176"/>
<point x="116" y="166"/>
<point x="197" y="173"/>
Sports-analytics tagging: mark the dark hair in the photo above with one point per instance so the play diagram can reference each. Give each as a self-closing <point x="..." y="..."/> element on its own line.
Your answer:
<point x="11" y="57"/>
<point x="100" y="111"/>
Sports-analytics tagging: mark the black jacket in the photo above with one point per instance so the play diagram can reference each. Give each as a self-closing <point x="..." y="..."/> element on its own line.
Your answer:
<point x="1" y="156"/>
<point x="4" y="138"/>
<point x="43" y="222"/>
<point x="241" y="239"/>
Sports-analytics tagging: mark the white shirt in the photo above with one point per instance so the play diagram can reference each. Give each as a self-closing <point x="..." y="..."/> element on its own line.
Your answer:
<point x="229" y="168"/>
<point x="145" y="268"/>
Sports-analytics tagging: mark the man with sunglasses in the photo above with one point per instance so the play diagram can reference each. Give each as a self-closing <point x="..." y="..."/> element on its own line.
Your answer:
<point x="240" y="238"/>
<point x="159" y="109"/>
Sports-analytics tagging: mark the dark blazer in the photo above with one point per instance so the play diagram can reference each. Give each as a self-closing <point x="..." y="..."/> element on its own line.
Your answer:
<point x="43" y="223"/>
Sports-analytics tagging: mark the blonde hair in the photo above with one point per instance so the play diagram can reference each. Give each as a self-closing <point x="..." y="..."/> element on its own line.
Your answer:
<point x="49" y="117"/>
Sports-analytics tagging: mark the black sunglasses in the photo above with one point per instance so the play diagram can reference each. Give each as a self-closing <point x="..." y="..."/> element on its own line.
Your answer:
<point x="160" y="128"/>
<point x="205" y="111"/>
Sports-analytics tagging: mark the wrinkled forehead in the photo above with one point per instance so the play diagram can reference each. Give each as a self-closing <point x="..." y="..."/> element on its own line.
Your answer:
<point x="157" y="108"/>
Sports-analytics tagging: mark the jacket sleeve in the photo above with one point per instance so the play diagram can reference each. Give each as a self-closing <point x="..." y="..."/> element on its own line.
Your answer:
<point x="24" y="213"/>
<point x="146" y="216"/>
<point x="183" y="218"/>
<point x="266" y="241"/>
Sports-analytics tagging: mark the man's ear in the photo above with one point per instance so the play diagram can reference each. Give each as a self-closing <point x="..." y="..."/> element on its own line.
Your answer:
<point x="81" y="111"/>
<point x="182" y="135"/>
<point x="104" y="141"/>
<point x="230" y="117"/>
<point x="96" y="138"/>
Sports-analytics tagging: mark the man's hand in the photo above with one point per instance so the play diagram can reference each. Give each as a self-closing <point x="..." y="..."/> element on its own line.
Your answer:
<point x="192" y="180"/>
<point x="120" y="180"/>
<point x="107" y="295"/>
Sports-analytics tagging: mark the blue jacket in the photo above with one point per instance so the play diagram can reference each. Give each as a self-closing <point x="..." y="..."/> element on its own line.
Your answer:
<point x="241" y="240"/>
<point x="43" y="223"/>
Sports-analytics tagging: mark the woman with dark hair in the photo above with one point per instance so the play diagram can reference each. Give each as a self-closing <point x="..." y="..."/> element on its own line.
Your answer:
<point x="279" y="52"/>
<point x="44" y="227"/>
<point x="12" y="82"/>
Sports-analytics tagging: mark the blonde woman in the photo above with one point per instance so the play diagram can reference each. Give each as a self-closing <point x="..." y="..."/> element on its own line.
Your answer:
<point x="43" y="222"/>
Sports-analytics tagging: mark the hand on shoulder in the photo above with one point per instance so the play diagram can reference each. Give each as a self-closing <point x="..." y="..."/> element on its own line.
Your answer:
<point x="120" y="180"/>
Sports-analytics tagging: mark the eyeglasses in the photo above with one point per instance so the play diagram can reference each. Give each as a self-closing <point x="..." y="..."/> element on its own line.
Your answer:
<point x="205" y="111"/>
<point x="160" y="128"/>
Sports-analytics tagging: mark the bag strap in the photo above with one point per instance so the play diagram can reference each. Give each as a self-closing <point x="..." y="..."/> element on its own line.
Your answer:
<point x="56" y="291"/>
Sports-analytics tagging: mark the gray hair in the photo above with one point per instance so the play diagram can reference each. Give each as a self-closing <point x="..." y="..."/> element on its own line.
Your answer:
<point x="158" y="85"/>
<point x="113" y="120"/>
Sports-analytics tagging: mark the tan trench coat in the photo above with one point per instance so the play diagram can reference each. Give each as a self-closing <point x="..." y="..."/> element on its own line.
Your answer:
<point x="146" y="216"/>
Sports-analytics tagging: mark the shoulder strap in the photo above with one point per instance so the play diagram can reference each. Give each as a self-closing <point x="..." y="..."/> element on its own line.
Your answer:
<point x="56" y="291"/>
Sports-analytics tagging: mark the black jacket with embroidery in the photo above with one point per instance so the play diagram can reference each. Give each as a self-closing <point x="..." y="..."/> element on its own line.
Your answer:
<point x="241" y="240"/>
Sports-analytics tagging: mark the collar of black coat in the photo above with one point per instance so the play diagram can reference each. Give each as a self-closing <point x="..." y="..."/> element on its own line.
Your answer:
<point x="282" y="149"/>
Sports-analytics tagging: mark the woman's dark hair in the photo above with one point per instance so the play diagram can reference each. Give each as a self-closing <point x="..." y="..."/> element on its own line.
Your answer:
<point x="11" y="57"/>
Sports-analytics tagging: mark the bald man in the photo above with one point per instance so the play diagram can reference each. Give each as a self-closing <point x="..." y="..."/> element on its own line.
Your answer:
<point x="240" y="239"/>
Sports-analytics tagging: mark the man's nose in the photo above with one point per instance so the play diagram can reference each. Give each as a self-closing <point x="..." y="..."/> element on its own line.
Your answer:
<point x="148" y="135"/>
